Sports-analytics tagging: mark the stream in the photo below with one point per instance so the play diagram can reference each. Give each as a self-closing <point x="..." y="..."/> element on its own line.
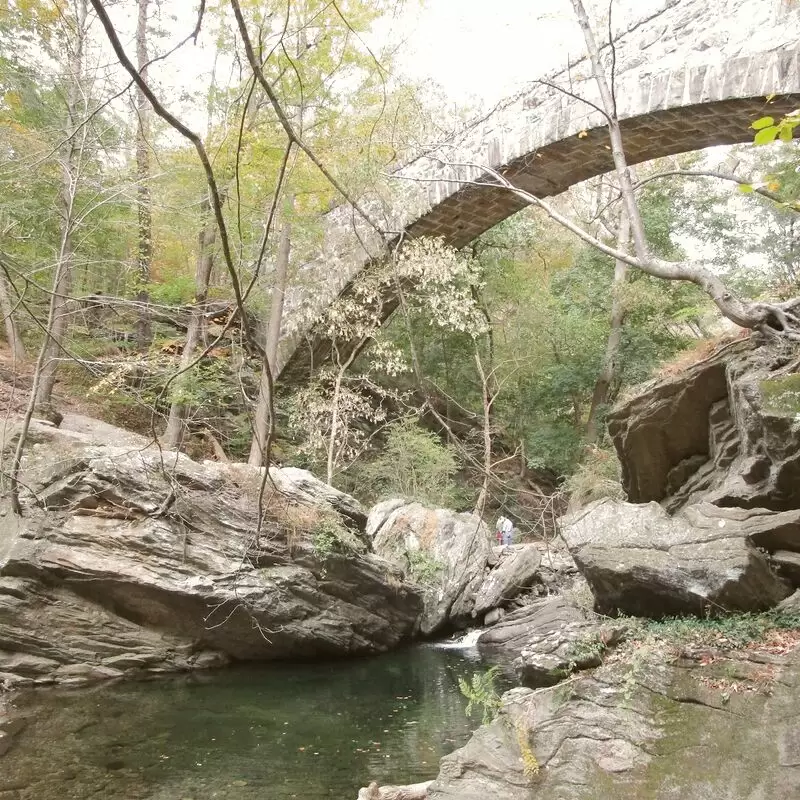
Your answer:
<point x="307" y="731"/>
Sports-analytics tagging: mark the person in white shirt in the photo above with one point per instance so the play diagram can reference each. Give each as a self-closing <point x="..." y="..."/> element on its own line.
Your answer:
<point x="504" y="530"/>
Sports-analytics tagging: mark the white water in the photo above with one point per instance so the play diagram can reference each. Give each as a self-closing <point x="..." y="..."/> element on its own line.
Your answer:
<point x="468" y="640"/>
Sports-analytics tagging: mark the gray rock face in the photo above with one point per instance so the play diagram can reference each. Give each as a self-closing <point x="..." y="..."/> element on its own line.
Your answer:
<point x="453" y="547"/>
<point x="11" y="723"/>
<point x="131" y="560"/>
<point x="465" y="577"/>
<point x="726" y="430"/>
<point x="660" y="732"/>
<point x="549" y="639"/>
<point x="515" y="570"/>
<point x="510" y="637"/>
<point x="640" y="561"/>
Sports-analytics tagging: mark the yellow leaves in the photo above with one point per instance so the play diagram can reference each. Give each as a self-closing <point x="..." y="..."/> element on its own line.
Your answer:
<point x="13" y="100"/>
<point x="583" y="134"/>
<point x="33" y="12"/>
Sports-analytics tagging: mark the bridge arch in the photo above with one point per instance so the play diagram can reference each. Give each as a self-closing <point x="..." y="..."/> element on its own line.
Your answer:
<point x="690" y="76"/>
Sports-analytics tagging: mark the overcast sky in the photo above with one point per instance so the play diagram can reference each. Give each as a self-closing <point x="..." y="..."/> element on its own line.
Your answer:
<point x="476" y="50"/>
<point x="488" y="49"/>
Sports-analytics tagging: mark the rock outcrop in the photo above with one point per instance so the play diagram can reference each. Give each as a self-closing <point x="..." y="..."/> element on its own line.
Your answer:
<point x="549" y="639"/>
<point x="725" y="430"/>
<point x="451" y="554"/>
<point x="638" y="560"/>
<point x="513" y="570"/>
<point x="726" y="728"/>
<point x="443" y="549"/>
<point x="711" y="463"/>
<point x="130" y="560"/>
<point x="413" y="791"/>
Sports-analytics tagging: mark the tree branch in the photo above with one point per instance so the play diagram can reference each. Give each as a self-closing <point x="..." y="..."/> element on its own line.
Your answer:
<point x="186" y="132"/>
<point x="287" y="126"/>
<point x="723" y="176"/>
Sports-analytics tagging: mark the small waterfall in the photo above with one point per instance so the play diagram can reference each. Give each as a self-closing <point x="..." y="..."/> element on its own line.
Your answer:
<point x="465" y="642"/>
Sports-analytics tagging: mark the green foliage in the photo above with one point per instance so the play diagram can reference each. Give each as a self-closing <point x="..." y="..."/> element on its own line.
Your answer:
<point x="554" y="444"/>
<point x="330" y="538"/>
<point x="730" y="632"/>
<point x="596" y="476"/>
<point x="769" y="130"/>
<point x="481" y="691"/>
<point x="586" y="651"/>
<point x="548" y="301"/>
<point x="415" y="464"/>
<point x="424" y="568"/>
<point x="176" y="291"/>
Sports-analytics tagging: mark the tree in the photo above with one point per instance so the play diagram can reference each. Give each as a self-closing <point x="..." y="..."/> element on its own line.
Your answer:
<point x="71" y="163"/>
<point x="771" y="318"/>
<point x="195" y="333"/>
<point x="263" y="424"/>
<point x="145" y="228"/>
<point x="9" y="319"/>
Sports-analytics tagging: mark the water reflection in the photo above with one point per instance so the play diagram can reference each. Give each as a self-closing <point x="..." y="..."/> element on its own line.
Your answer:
<point x="290" y="731"/>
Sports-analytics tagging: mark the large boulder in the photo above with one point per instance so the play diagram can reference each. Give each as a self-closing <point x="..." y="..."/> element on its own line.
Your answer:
<point x="129" y="559"/>
<point x="515" y="569"/>
<point x="640" y="731"/>
<point x="725" y="430"/>
<point x="506" y="640"/>
<point x="452" y="556"/>
<point x="638" y="560"/>
<point x="444" y="550"/>
<point x="549" y="639"/>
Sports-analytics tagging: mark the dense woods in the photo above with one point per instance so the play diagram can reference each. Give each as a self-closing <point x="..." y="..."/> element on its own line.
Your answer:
<point x="164" y="179"/>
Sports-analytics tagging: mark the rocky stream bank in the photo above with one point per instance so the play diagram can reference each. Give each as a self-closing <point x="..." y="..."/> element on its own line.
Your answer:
<point x="131" y="561"/>
<point x="704" y="707"/>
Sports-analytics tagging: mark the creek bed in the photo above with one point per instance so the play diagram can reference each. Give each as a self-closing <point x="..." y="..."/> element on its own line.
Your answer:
<point x="307" y="731"/>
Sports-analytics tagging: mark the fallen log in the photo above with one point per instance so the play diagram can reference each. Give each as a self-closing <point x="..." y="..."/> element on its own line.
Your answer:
<point x="415" y="791"/>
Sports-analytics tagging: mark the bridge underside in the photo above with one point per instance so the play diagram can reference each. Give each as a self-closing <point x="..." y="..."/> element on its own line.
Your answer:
<point x="553" y="168"/>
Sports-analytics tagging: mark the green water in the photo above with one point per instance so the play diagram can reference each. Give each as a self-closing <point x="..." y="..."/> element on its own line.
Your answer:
<point x="308" y="732"/>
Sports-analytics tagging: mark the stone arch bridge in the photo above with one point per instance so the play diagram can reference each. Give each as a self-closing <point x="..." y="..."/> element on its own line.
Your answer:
<point x="692" y="74"/>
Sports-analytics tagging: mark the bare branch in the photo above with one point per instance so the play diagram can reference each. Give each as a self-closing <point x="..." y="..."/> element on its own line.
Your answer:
<point x="186" y="132"/>
<point x="723" y="176"/>
<point x="284" y="120"/>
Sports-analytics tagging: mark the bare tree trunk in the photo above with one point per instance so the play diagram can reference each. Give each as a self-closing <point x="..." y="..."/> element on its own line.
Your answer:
<point x="608" y="370"/>
<point x="62" y="285"/>
<point x="487" y="399"/>
<point x="53" y="345"/>
<point x="196" y="331"/>
<point x="335" y="407"/>
<point x="489" y="392"/>
<point x="145" y="232"/>
<point x="7" y="310"/>
<point x="263" y="424"/>
<point x="56" y="325"/>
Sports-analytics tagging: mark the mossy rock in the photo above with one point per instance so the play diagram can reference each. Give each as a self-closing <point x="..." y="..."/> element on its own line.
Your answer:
<point x="782" y="395"/>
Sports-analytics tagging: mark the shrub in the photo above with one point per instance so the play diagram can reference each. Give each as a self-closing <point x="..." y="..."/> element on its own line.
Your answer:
<point x="597" y="476"/>
<point x="414" y="464"/>
<point x="331" y="538"/>
<point x="422" y="566"/>
<point x="481" y="692"/>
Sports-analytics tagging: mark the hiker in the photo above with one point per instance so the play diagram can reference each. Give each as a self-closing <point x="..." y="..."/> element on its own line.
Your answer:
<point x="504" y="529"/>
<point x="499" y="527"/>
<point x="508" y="532"/>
